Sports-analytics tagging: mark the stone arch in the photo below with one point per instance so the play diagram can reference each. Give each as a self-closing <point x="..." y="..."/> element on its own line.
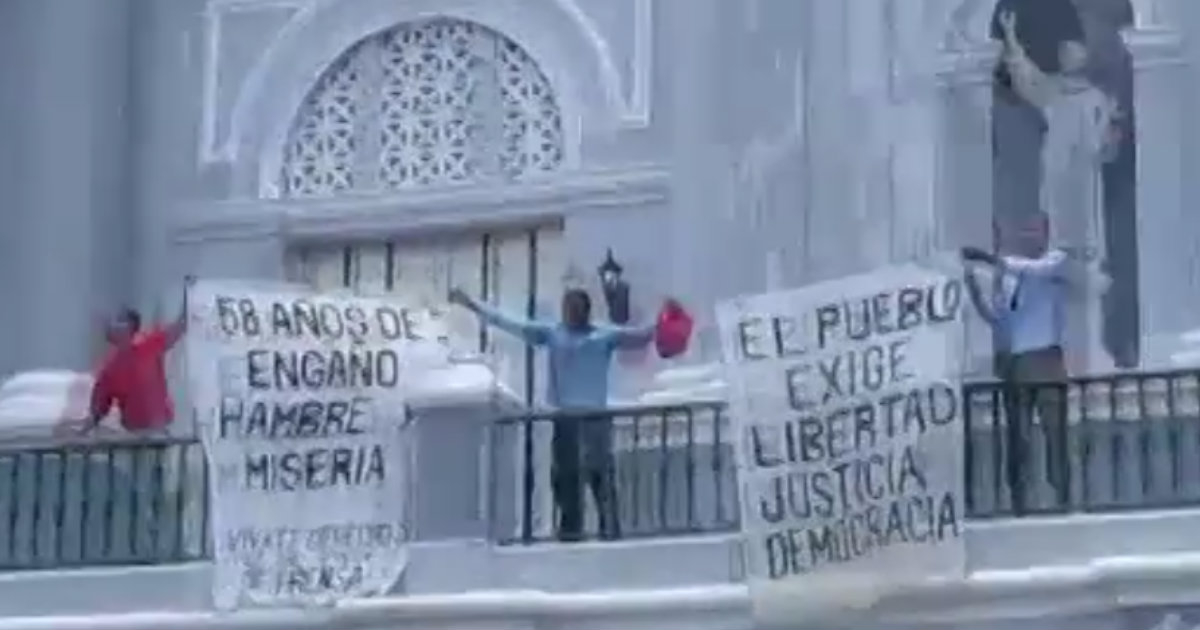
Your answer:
<point x="435" y="102"/>
<point x="567" y="48"/>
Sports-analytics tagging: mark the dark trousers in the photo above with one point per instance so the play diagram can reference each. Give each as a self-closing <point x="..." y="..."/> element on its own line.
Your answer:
<point x="583" y="457"/>
<point x="1035" y="382"/>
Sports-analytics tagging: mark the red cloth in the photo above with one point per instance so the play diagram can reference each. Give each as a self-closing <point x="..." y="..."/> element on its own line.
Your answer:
<point x="673" y="330"/>
<point x="135" y="379"/>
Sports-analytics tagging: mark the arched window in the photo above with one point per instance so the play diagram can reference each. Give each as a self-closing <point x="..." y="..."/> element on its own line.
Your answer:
<point x="429" y="103"/>
<point x="434" y="103"/>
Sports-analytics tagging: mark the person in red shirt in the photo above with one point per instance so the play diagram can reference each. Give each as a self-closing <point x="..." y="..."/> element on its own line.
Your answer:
<point x="132" y="375"/>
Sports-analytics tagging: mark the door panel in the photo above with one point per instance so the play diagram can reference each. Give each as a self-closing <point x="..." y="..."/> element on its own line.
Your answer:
<point x="509" y="289"/>
<point x="517" y="270"/>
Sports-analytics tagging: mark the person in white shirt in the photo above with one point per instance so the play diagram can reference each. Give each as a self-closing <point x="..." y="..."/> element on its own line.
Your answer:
<point x="1028" y="311"/>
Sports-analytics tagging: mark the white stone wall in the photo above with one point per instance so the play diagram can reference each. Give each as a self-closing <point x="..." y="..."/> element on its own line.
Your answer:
<point x="720" y="147"/>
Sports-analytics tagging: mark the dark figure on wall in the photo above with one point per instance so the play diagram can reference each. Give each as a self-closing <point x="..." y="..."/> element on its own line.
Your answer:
<point x="1019" y="129"/>
<point x="1110" y="68"/>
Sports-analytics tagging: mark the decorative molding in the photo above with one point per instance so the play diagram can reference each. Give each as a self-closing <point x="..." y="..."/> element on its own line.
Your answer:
<point x="559" y="36"/>
<point x="1150" y="47"/>
<point x="1044" y="593"/>
<point x="637" y="108"/>
<point x="359" y="217"/>
<point x="208" y="88"/>
<point x="1156" y="47"/>
<point x="212" y="147"/>
<point x="965" y="39"/>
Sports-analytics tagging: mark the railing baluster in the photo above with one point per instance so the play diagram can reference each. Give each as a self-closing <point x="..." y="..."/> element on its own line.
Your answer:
<point x="1174" y="443"/>
<point x="690" y="467"/>
<point x="1117" y="439"/>
<point x="997" y="432"/>
<point x="14" y="513"/>
<point x="135" y="502"/>
<point x="109" y="530"/>
<point x="718" y="464"/>
<point x="60" y="512"/>
<point x="158" y="497"/>
<point x="968" y="449"/>
<point x="1085" y="441"/>
<point x="1144" y="435"/>
<point x="664" y="468"/>
<point x="181" y="502"/>
<point x="35" y="522"/>
<point x="527" y="480"/>
<point x="636" y="491"/>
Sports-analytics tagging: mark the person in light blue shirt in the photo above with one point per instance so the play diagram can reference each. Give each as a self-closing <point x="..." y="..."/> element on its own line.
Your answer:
<point x="579" y="354"/>
<point x="1027" y="311"/>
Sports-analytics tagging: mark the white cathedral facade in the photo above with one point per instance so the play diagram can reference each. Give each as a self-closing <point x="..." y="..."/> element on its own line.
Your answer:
<point x="716" y="147"/>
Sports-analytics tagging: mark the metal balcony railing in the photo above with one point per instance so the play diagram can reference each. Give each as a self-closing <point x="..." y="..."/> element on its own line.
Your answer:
<point x="634" y="472"/>
<point x="1104" y="443"/>
<point x="77" y="504"/>
<point x="1120" y="442"/>
<point x="1114" y="442"/>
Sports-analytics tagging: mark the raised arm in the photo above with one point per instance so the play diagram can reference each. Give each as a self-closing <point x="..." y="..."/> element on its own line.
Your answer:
<point x="1052" y="264"/>
<point x="630" y="337"/>
<point x="1028" y="80"/>
<point x="175" y="330"/>
<point x="995" y="28"/>
<point x="532" y="332"/>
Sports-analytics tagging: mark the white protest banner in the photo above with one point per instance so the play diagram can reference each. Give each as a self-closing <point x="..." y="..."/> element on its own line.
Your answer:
<point x="845" y="398"/>
<point x="299" y="402"/>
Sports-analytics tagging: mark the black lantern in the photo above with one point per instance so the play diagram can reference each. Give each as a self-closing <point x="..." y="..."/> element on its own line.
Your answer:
<point x="616" y="290"/>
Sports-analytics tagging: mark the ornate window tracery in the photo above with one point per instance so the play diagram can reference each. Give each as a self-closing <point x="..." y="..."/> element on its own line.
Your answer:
<point x="430" y="103"/>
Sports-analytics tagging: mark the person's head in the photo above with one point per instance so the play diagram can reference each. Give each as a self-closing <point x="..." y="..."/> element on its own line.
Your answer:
<point x="123" y="326"/>
<point x="1027" y="236"/>
<point x="576" y="308"/>
<point x="1072" y="57"/>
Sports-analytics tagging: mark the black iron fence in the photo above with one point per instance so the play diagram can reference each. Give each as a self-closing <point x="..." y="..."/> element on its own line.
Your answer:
<point x="1116" y="442"/>
<point x="1127" y="441"/>
<point x="627" y="473"/>
<point x="96" y="503"/>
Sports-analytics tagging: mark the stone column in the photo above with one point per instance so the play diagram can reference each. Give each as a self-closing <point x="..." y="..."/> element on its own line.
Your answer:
<point x="72" y="215"/>
<point x="1168" y="247"/>
<point x="916" y="113"/>
<point x="835" y="212"/>
<point x="873" y="131"/>
<point x="693" y="71"/>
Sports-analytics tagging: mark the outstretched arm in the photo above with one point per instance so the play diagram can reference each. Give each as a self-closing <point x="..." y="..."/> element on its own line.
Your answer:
<point x="1052" y="264"/>
<point x="631" y="337"/>
<point x="532" y="332"/>
<point x="175" y="330"/>
<point x="1028" y="80"/>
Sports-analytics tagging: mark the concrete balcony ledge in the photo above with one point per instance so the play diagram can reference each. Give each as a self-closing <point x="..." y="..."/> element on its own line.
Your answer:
<point x="1020" y="569"/>
<point x="1100" y="586"/>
